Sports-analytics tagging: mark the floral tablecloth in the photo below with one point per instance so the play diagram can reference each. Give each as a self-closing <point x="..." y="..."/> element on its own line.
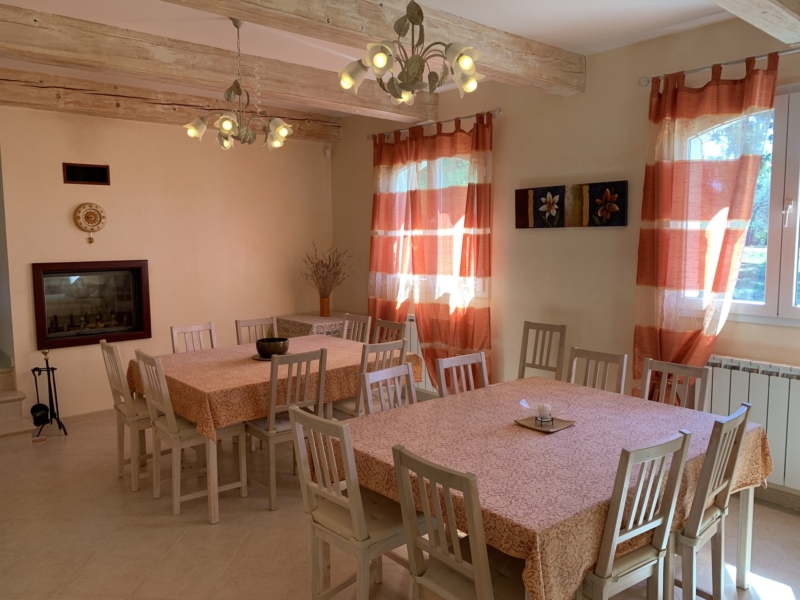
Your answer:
<point x="310" y="324"/>
<point x="544" y="497"/>
<point x="224" y="386"/>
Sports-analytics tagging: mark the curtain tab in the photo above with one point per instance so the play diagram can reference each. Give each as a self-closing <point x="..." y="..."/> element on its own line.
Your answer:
<point x="438" y="129"/>
<point x="479" y="118"/>
<point x="655" y="86"/>
<point x="772" y="61"/>
<point x="489" y="118"/>
<point x="397" y="137"/>
<point x="716" y="72"/>
<point x="457" y="124"/>
<point x="750" y="64"/>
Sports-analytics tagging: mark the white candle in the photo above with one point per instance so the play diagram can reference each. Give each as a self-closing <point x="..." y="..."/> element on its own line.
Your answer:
<point x="544" y="411"/>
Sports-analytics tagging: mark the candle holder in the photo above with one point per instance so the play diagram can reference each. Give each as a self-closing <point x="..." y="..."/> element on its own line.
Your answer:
<point x="545" y="421"/>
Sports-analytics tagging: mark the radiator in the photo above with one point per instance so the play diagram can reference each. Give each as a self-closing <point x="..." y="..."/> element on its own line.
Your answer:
<point x="414" y="347"/>
<point x="774" y="392"/>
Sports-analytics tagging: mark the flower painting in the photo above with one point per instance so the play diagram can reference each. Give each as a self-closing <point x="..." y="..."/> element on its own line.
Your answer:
<point x="608" y="204"/>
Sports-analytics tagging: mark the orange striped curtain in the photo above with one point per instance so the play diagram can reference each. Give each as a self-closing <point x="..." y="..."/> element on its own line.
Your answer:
<point x="431" y="237"/>
<point x="704" y="154"/>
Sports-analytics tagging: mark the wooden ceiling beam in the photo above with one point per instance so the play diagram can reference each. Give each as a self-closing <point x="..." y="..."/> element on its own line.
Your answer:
<point x="779" y="18"/>
<point x="97" y="99"/>
<point x="65" y="42"/>
<point x="506" y="57"/>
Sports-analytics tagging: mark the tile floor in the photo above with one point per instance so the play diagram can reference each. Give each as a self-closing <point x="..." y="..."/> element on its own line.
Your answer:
<point x="70" y="529"/>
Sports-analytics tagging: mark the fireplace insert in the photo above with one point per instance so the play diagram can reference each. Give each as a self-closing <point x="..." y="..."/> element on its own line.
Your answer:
<point x="80" y="303"/>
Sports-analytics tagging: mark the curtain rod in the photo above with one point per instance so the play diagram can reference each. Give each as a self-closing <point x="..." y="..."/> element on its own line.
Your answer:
<point x="645" y="81"/>
<point x="495" y="112"/>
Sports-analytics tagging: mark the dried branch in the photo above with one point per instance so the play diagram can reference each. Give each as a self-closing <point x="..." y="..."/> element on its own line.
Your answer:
<point x="326" y="271"/>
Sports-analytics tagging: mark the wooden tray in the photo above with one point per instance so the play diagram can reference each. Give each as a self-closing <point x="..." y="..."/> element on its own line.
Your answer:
<point x="556" y="425"/>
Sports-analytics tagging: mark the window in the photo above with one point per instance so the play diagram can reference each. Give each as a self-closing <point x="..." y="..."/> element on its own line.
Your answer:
<point x="768" y="286"/>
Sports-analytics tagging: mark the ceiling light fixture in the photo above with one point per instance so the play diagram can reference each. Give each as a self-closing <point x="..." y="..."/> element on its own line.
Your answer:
<point x="236" y="124"/>
<point x="411" y="61"/>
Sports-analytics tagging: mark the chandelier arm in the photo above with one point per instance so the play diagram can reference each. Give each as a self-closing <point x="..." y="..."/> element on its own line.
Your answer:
<point x="432" y="45"/>
<point x="264" y="124"/>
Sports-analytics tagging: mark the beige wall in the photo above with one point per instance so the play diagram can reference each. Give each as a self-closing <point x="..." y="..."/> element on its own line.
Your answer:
<point x="224" y="232"/>
<point x="582" y="277"/>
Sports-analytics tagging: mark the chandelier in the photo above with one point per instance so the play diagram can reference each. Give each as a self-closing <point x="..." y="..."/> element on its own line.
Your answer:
<point x="407" y="63"/>
<point x="236" y="124"/>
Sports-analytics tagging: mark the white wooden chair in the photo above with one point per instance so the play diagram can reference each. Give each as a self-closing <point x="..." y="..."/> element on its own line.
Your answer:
<point x="457" y="568"/>
<point x="193" y="337"/>
<point x="250" y="330"/>
<point x="388" y="331"/>
<point x="541" y="353"/>
<point x="296" y="390"/>
<point x="374" y="357"/>
<point x="131" y="412"/>
<point x="675" y="384"/>
<point x="179" y="433"/>
<point x="629" y="516"/>
<point x="362" y="523"/>
<point x="356" y="328"/>
<point x="457" y="373"/>
<point x="596" y="369"/>
<point x="709" y="508"/>
<point x="395" y="388"/>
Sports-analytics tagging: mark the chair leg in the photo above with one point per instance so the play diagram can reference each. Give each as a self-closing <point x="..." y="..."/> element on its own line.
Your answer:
<point x="314" y="564"/>
<point x="253" y="443"/>
<point x="142" y="448"/>
<point x="655" y="583"/>
<point x="325" y="563"/>
<point x="212" y="478"/>
<point x="242" y="464"/>
<point x="378" y="564"/>
<point x="689" y="572"/>
<point x="176" y="482"/>
<point x="135" y="451"/>
<point x="362" y="576"/>
<point x="718" y="561"/>
<point x="294" y="461"/>
<point x="414" y="590"/>
<point x="272" y="474"/>
<point x="669" y="569"/>
<point x="157" y="464"/>
<point x="120" y="446"/>
<point x="200" y="460"/>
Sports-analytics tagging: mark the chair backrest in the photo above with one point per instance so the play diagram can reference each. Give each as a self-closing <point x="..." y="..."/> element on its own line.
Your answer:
<point x="388" y="331"/>
<point x="356" y="328"/>
<point x="120" y="391"/>
<point x="457" y="373"/>
<point x="156" y="393"/>
<point x="250" y="330"/>
<point x="323" y="436"/>
<point x="719" y="465"/>
<point x="675" y="384"/>
<point x="376" y="357"/>
<point x="193" y="338"/>
<point x="597" y="369"/>
<point x="646" y="508"/>
<point x="436" y="483"/>
<point x="301" y="388"/>
<point x="541" y="353"/>
<point x="393" y="385"/>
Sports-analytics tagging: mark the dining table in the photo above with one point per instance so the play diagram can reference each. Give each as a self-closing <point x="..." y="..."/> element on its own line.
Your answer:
<point x="545" y="496"/>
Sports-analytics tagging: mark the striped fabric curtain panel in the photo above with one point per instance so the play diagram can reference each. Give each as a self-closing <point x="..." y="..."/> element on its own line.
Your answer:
<point x="431" y="237"/>
<point x="704" y="154"/>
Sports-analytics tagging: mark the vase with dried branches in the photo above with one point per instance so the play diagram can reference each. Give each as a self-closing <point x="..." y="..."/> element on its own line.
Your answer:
<point x="326" y="271"/>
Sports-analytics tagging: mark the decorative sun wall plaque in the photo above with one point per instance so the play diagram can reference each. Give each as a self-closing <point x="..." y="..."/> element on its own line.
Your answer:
<point x="90" y="218"/>
<point x="602" y="204"/>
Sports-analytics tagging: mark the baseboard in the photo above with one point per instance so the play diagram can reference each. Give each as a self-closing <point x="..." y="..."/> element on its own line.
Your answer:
<point x="780" y="495"/>
<point x="88" y="417"/>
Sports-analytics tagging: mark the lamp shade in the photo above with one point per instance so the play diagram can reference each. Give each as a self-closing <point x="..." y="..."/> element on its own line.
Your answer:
<point x="197" y="128"/>
<point x="225" y="142"/>
<point x="228" y="123"/>
<point x="467" y="83"/>
<point x="280" y="128"/>
<point x="461" y="58"/>
<point x="353" y="75"/>
<point x="380" y="58"/>
<point x="273" y="141"/>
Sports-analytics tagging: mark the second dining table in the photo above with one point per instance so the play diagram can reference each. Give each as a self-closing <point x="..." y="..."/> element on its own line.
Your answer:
<point x="225" y="386"/>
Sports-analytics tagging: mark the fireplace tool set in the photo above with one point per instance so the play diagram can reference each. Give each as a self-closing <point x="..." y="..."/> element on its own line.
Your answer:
<point x="42" y="413"/>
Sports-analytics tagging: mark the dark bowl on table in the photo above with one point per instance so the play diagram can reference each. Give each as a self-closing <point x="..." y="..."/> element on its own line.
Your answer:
<point x="268" y="346"/>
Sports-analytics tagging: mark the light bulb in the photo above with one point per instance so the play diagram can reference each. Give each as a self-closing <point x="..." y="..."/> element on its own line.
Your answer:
<point x="470" y="85"/>
<point x="192" y="132"/>
<point x="380" y="60"/>
<point x="277" y="143"/>
<point x="283" y="132"/>
<point x="465" y="62"/>
<point x="347" y="81"/>
<point x="226" y="144"/>
<point x="227" y="125"/>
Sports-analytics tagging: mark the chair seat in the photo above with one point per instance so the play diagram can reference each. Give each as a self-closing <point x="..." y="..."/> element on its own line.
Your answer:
<point x="633" y="560"/>
<point x="710" y="517"/>
<point x="139" y="410"/>
<point x="505" y="571"/>
<point x="281" y="424"/>
<point x="186" y="428"/>
<point x="382" y="515"/>
<point x="348" y="406"/>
